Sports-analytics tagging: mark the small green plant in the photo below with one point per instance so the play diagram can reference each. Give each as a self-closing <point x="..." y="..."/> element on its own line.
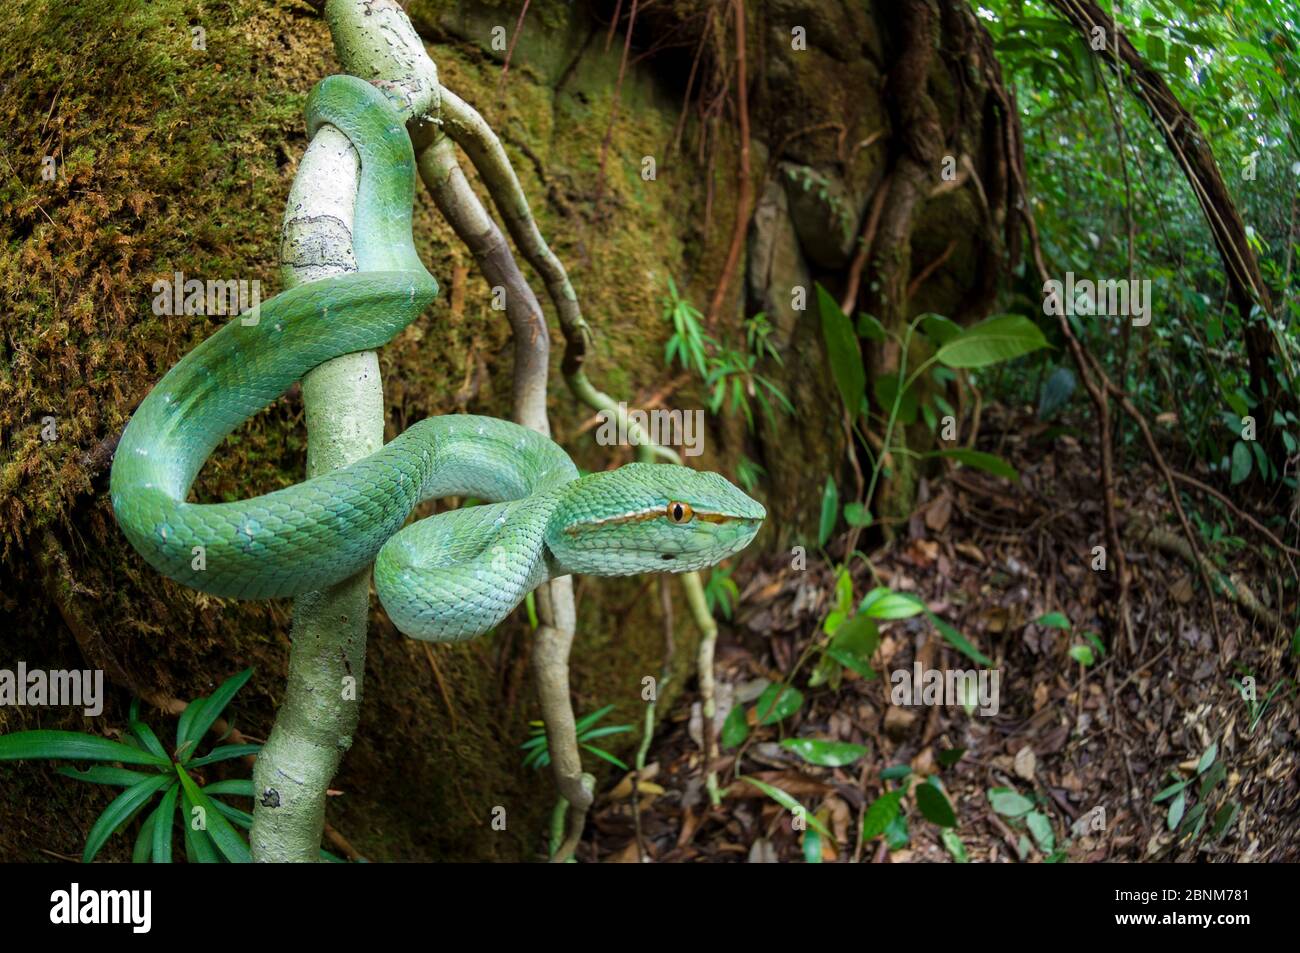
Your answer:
<point x="689" y="345"/>
<point x="731" y="377"/>
<point x="823" y="753"/>
<point x="748" y="473"/>
<point x="1255" y="707"/>
<point x="1023" y="814"/>
<point x="721" y="592"/>
<point x="539" y="755"/>
<point x="1197" y="801"/>
<point x="208" y="823"/>
<point x="1087" y="652"/>
<point x="885" y="818"/>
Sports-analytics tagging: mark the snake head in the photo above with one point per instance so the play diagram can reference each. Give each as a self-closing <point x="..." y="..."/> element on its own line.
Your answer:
<point x="650" y="517"/>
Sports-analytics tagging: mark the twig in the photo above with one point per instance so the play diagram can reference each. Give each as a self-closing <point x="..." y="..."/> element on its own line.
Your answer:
<point x="514" y="38"/>
<point x="930" y="269"/>
<point x="865" y="241"/>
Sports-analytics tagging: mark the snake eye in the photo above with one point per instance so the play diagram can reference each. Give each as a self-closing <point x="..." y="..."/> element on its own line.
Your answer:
<point x="680" y="512"/>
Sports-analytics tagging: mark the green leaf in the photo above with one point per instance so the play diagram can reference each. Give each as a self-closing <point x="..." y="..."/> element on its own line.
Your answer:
<point x="1082" y="654"/>
<point x="149" y="739"/>
<point x="224" y="753"/>
<point x="1053" y="620"/>
<point x="163" y="819"/>
<point x="950" y="756"/>
<point x="828" y="754"/>
<point x="934" y="804"/>
<point x="844" y="591"/>
<point x="772" y="709"/>
<point x="790" y="804"/>
<point x="1241" y="462"/>
<point x="871" y="329"/>
<point x="997" y="339"/>
<point x="199" y="848"/>
<point x="988" y="462"/>
<point x="858" y="638"/>
<point x="1224" y="818"/>
<point x="896" y="836"/>
<point x="73" y="745"/>
<point x="1193" y="821"/>
<point x="895" y="773"/>
<point x="1169" y="791"/>
<point x="143" y="848"/>
<point x="1212" y="777"/>
<point x="939" y="329"/>
<point x="1262" y="466"/>
<point x="1176" y="810"/>
<point x="119" y="811"/>
<point x="881" y="812"/>
<point x="812" y="846"/>
<point x="105" y="774"/>
<point x="606" y="756"/>
<point x="588" y="720"/>
<point x="1041" y="828"/>
<point x="830" y="510"/>
<point x="843" y="351"/>
<point x="955" y="846"/>
<point x="884" y="603"/>
<point x="855" y="514"/>
<point x="235" y="815"/>
<point x="1156" y="53"/>
<point x="958" y="641"/>
<point x="208" y="710"/>
<point x="242" y="787"/>
<point x="226" y="838"/>
<point x="1008" y="803"/>
<point x="1207" y="758"/>
<point x="735" y="729"/>
<point x="604" y="732"/>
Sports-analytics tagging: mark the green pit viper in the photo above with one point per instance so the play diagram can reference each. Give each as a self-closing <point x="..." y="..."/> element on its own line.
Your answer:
<point x="443" y="578"/>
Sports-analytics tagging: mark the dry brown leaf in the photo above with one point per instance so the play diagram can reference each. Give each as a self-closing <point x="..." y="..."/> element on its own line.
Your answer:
<point x="1026" y="763"/>
<point x="939" y="512"/>
<point x="1040" y="695"/>
<point x="898" y="722"/>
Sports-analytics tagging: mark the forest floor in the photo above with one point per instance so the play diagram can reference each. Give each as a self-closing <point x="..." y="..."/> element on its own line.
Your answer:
<point x="991" y="557"/>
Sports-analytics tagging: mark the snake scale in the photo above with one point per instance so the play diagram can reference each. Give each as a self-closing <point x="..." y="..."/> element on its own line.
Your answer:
<point x="447" y="577"/>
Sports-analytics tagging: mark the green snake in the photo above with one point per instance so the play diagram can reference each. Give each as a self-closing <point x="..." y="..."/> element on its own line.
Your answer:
<point x="447" y="577"/>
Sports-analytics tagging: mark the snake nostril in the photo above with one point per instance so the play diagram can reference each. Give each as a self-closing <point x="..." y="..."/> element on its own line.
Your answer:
<point x="667" y="557"/>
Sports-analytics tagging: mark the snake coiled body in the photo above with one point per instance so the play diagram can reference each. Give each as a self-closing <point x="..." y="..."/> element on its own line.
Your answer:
<point x="447" y="577"/>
